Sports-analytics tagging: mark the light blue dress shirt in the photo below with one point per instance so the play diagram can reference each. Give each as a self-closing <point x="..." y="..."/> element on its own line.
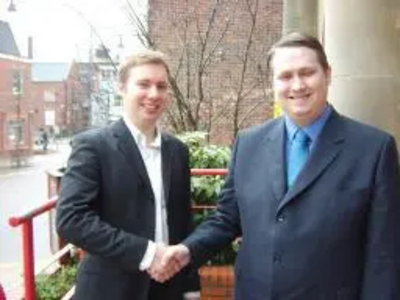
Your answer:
<point x="313" y="130"/>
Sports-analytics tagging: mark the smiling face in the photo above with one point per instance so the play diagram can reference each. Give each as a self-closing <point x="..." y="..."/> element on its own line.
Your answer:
<point x="146" y="94"/>
<point x="300" y="83"/>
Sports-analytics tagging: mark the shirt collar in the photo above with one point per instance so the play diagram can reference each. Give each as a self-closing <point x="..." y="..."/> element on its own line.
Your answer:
<point x="140" y="138"/>
<point x="313" y="130"/>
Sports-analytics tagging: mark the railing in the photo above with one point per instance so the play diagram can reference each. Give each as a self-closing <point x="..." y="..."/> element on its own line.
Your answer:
<point x="26" y="221"/>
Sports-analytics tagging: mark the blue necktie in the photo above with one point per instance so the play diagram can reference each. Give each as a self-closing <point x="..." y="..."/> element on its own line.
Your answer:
<point x="298" y="153"/>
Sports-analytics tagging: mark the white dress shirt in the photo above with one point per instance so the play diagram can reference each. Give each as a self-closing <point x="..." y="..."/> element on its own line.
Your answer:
<point x="151" y="155"/>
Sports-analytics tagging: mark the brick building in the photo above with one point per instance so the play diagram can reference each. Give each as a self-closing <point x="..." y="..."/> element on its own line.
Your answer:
<point x="62" y="99"/>
<point x="217" y="51"/>
<point x="16" y="105"/>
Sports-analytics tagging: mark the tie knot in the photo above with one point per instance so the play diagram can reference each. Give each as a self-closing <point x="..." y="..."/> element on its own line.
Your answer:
<point x="301" y="137"/>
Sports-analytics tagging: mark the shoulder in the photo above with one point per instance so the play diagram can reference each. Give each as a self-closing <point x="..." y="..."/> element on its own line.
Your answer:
<point x="94" y="137"/>
<point x="89" y="134"/>
<point x="364" y="132"/>
<point x="261" y="130"/>
<point x="171" y="139"/>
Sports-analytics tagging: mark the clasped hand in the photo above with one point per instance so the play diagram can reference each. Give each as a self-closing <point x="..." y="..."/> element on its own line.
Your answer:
<point x="168" y="261"/>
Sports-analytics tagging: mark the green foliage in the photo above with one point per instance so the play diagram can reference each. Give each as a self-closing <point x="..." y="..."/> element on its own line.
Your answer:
<point x="203" y="155"/>
<point x="205" y="189"/>
<point x="55" y="286"/>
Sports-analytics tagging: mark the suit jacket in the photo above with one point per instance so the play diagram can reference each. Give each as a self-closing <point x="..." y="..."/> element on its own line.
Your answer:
<point x="332" y="235"/>
<point x="106" y="207"/>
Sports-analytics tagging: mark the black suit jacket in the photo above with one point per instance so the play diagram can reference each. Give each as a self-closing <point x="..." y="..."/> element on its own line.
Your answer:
<point x="333" y="235"/>
<point x="106" y="207"/>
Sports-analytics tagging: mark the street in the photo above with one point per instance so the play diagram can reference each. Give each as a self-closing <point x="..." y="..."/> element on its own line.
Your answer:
<point x="22" y="189"/>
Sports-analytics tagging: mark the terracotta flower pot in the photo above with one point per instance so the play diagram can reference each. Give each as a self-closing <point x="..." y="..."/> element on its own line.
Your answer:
<point x="217" y="282"/>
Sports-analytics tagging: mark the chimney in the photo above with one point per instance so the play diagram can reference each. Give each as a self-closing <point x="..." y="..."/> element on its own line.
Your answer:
<point x="30" y="47"/>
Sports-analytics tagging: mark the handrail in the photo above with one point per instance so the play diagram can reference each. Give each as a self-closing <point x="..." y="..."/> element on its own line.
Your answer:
<point x="26" y="221"/>
<point x="205" y="172"/>
<point x="16" y="221"/>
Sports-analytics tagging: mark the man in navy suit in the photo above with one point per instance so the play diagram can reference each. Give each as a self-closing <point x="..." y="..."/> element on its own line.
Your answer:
<point x="314" y="194"/>
<point x="126" y="193"/>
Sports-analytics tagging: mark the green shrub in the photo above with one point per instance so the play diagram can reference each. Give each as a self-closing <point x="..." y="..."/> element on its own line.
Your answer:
<point x="205" y="189"/>
<point x="55" y="286"/>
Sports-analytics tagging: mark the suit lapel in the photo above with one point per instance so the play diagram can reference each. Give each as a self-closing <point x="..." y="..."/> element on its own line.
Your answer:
<point x="328" y="147"/>
<point x="166" y="159"/>
<point x="275" y="165"/>
<point x="127" y="145"/>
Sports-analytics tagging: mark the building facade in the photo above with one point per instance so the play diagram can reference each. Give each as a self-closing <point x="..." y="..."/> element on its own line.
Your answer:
<point x="217" y="51"/>
<point x="16" y="105"/>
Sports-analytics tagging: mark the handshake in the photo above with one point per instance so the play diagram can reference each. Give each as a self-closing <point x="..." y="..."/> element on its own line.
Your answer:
<point x="168" y="261"/>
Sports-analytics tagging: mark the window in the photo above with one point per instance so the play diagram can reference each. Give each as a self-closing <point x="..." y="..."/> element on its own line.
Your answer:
<point x="16" y="132"/>
<point x="49" y="96"/>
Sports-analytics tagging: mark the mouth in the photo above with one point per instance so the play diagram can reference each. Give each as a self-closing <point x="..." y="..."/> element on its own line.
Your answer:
<point x="151" y="108"/>
<point x="300" y="97"/>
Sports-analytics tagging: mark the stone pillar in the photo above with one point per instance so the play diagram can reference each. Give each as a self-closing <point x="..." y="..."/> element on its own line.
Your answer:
<point x="363" y="47"/>
<point x="300" y="15"/>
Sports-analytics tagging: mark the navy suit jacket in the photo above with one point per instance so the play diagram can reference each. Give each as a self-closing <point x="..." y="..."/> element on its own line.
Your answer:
<point x="106" y="207"/>
<point x="332" y="235"/>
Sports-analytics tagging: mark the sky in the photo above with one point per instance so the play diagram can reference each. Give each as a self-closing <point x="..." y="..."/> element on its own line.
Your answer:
<point x="65" y="29"/>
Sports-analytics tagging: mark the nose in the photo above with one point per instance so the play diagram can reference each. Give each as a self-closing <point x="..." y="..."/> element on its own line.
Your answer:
<point x="298" y="83"/>
<point x="153" y="92"/>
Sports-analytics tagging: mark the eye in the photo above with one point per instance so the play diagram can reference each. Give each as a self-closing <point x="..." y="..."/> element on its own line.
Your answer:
<point x="162" y="87"/>
<point x="285" y="76"/>
<point x="307" y="72"/>
<point x="143" y="84"/>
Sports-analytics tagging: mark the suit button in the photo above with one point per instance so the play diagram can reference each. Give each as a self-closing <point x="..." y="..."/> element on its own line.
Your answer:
<point x="281" y="218"/>
<point x="277" y="258"/>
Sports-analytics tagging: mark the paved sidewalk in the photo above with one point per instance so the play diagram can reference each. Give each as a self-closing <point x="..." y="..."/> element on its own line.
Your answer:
<point x="11" y="271"/>
<point x="12" y="281"/>
<point x="11" y="277"/>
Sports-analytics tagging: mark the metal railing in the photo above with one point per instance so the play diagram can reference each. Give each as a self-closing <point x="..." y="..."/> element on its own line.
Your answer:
<point x="26" y="221"/>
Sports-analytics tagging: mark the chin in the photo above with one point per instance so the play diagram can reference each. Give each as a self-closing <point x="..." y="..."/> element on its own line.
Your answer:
<point x="301" y="112"/>
<point x="152" y="118"/>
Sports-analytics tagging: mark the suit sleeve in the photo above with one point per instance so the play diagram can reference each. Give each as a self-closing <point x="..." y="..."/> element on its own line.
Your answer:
<point x="220" y="228"/>
<point x="77" y="219"/>
<point x="382" y="256"/>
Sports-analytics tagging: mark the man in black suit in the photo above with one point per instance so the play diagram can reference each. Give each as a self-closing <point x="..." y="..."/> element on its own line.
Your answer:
<point x="314" y="194"/>
<point x="126" y="193"/>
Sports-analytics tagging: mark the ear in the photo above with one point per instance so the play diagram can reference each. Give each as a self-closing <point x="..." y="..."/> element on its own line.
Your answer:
<point x="328" y="74"/>
<point x="121" y="89"/>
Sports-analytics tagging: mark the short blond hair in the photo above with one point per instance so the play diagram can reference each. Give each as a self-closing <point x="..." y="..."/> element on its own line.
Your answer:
<point x="146" y="57"/>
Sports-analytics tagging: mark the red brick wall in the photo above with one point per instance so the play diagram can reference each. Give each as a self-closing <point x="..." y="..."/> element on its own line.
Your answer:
<point x="178" y="27"/>
<point x="71" y="114"/>
<point x="10" y="104"/>
<point x="59" y="105"/>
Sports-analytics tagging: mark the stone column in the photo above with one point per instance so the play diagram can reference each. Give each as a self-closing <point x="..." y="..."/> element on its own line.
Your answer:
<point x="300" y="15"/>
<point x="363" y="47"/>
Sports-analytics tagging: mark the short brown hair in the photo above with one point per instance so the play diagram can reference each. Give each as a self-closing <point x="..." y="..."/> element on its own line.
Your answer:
<point x="296" y="39"/>
<point x="146" y="57"/>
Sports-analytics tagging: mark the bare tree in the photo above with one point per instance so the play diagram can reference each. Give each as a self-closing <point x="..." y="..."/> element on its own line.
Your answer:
<point x="217" y="52"/>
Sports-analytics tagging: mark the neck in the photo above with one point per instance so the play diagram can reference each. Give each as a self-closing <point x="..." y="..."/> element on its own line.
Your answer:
<point x="148" y="129"/>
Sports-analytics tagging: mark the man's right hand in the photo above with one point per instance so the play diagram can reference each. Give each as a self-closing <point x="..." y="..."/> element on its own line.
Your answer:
<point x="174" y="259"/>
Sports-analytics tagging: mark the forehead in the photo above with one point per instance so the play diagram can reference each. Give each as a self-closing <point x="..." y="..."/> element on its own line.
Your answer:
<point x="292" y="58"/>
<point x="156" y="72"/>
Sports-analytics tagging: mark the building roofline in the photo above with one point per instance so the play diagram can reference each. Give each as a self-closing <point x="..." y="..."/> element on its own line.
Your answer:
<point x="15" y="58"/>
